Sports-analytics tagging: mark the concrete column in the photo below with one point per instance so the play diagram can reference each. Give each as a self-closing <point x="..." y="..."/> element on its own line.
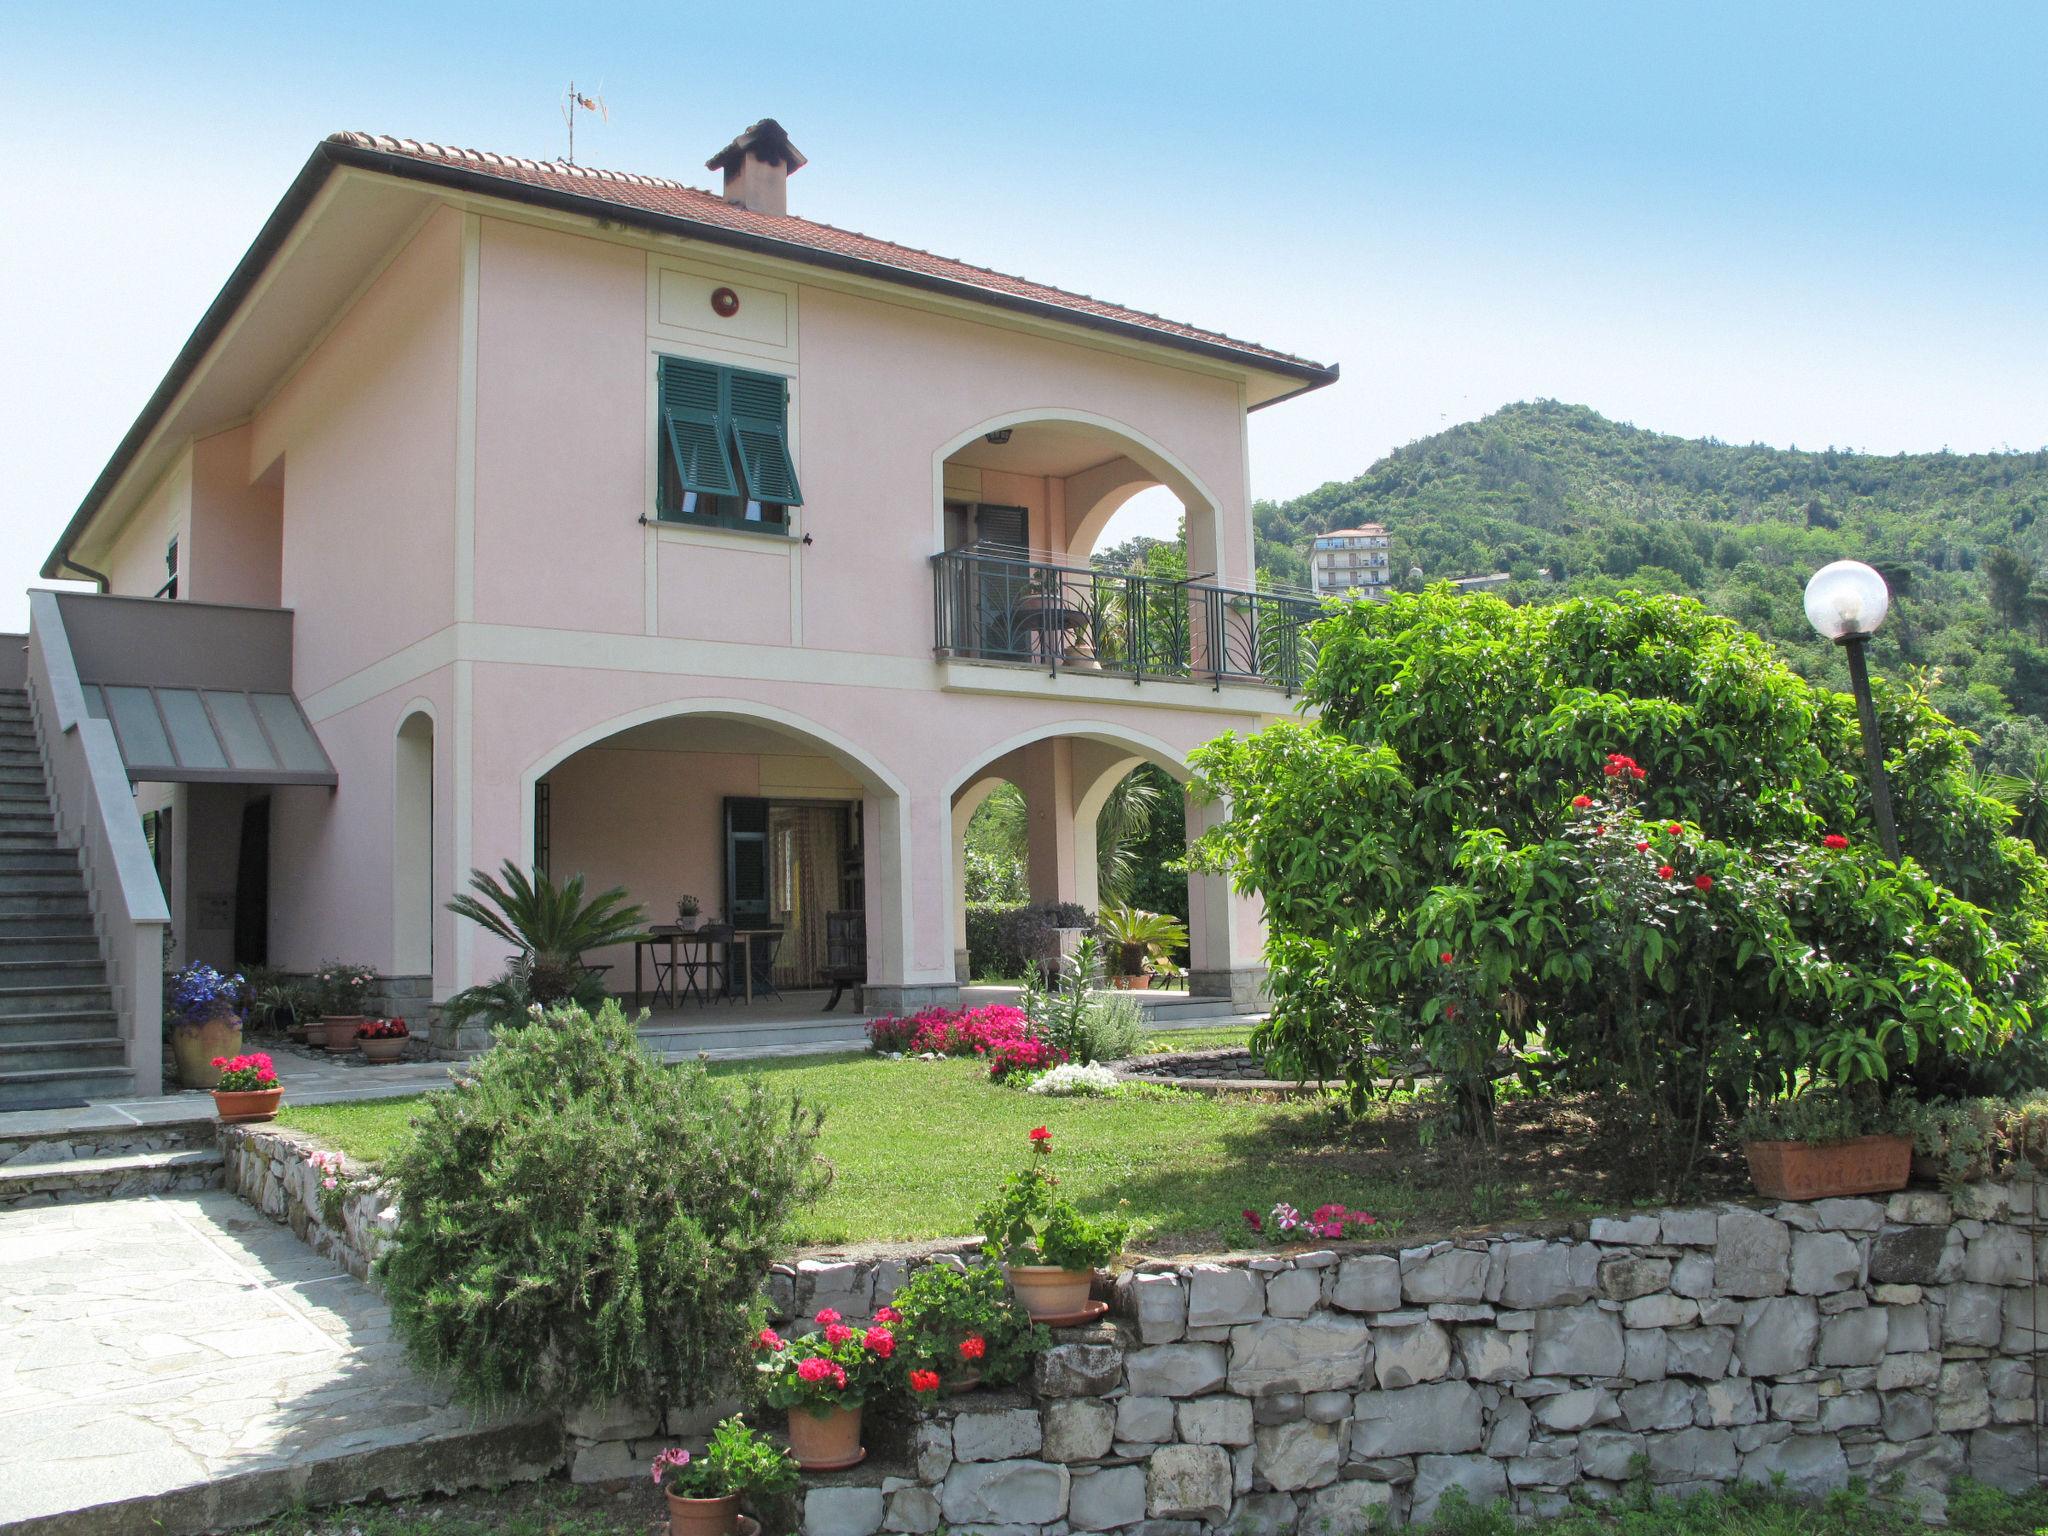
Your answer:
<point x="1045" y="773"/>
<point x="1098" y="769"/>
<point x="910" y="900"/>
<point x="1226" y="932"/>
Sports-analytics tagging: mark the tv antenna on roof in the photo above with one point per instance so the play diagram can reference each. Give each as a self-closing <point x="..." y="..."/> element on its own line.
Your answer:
<point x="574" y="101"/>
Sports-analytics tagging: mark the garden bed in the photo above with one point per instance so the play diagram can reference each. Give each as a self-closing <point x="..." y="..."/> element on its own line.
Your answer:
<point x="1227" y="1069"/>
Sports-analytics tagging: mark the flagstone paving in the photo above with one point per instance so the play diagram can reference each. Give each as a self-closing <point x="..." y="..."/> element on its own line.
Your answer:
<point x="178" y="1363"/>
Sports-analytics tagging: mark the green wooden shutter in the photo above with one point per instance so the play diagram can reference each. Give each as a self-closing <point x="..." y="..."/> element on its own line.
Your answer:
<point x="760" y="428"/>
<point x="746" y="862"/>
<point x="690" y="416"/>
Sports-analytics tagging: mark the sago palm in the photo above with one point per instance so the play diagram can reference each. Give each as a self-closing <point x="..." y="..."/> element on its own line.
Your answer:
<point x="552" y="926"/>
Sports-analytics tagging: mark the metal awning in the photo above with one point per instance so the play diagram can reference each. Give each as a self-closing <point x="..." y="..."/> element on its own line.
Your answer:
<point x="211" y="735"/>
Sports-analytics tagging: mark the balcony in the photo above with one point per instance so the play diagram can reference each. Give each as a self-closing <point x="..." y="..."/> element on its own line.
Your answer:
<point x="1004" y="607"/>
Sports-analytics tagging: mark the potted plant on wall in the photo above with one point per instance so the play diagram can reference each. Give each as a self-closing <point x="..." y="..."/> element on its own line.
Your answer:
<point x="687" y="908"/>
<point x="383" y="1040"/>
<point x="821" y="1379"/>
<point x="339" y="991"/>
<point x="1050" y="1251"/>
<point x="246" y="1089"/>
<point x="705" y="1491"/>
<point x="963" y="1326"/>
<point x="1826" y="1143"/>
<point x="202" y="1018"/>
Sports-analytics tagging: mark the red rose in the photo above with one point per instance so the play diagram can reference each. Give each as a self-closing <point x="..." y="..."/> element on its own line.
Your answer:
<point x="1665" y="871"/>
<point x="1675" y="830"/>
<point x="1600" y="830"/>
<point x="1642" y="847"/>
<point x="1580" y="802"/>
<point x="1834" y="840"/>
<point x="1613" y="770"/>
<point x="1446" y="957"/>
<point x="924" y="1381"/>
<point x="1637" y="773"/>
<point x="973" y="1347"/>
<point x="1703" y="882"/>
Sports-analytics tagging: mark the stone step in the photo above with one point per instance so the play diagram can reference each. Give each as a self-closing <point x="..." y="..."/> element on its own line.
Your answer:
<point x="17" y="840"/>
<point x="86" y="1024"/>
<point x="59" y="1138"/>
<point x="30" y="1000"/>
<point x="39" y="904"/>
<point x="36" y="861"/>
<point x="29" y="940"/>
<point x="107" y="1176"/>
<point x="46" y="1055"/>
<point x="63" y="1087"/>
<point x="42" y="882"/>
<point x="81" y="970"/>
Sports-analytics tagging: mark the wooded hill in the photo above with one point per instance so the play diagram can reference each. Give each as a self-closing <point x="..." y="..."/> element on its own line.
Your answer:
<point x="1962" y="538"/>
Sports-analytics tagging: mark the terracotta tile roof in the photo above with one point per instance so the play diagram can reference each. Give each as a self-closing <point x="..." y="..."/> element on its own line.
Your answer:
<point x="672" y="199"/>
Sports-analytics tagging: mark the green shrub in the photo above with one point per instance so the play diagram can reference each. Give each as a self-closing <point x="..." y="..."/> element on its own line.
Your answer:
<point x="1009" y="941"/>
<point x="1825" y="1117"/>
<point x="579" y="1222"/>
<point x="943" y="1307"/>
<point x="1080" y="1019"/>
<point x="1458" y="859"/>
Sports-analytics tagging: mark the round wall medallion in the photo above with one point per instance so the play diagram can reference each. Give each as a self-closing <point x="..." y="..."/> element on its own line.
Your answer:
<point x="725" y="302"/>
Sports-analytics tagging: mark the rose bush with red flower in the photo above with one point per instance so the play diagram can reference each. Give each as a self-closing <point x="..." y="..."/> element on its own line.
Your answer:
<point x="1429" y="799"/>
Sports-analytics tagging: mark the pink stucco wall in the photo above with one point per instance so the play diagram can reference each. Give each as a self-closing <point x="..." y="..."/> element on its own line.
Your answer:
<point x="237" y="532"/>
<point x="366" y="428"/>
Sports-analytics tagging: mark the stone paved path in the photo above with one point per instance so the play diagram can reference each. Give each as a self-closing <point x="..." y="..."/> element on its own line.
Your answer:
<point x="179" y="1359"/>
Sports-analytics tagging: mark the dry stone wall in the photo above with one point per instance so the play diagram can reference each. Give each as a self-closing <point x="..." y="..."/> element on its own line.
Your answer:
<point x="1267" y="1394"/>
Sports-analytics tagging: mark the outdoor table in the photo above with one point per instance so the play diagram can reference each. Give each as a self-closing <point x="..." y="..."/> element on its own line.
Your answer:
<point x="677" y="940"/>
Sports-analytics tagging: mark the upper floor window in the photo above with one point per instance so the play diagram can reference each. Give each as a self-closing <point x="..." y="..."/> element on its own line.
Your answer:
<point x="723" y="447"/>
<point x="170" y="587"/>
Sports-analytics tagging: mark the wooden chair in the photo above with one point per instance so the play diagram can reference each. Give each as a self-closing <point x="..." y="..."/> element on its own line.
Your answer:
<point x="846" y="957"/>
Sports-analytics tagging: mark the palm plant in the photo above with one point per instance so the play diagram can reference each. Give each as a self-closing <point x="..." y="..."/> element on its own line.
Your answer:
<point x="1120" y="830"/>
<point x="1141" y="935"/>
<point x="2027" y="793"/>
<point x="551" y="926"/>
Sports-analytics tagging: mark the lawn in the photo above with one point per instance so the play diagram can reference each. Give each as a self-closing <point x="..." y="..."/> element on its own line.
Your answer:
<point x="916" y="1147"/>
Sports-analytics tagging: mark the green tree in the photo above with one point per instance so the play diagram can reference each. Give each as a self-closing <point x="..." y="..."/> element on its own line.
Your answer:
<point x="2008" y="574"/>
<point x="1453" y="867"/>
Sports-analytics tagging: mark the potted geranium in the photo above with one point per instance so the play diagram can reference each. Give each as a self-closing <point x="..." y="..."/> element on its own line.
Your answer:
<point x="1826" y="1143"/>
<point x="246" y="1088"/>
<point x="339" y="991"/>
<point x="821" y="1380"/>
<point x="1050" y="1251"/>
<point x="383" y="1040"/>
<point x="705" y="1491"/>
<point x="962" y="1326"/>
<point x="202" y="1015"/>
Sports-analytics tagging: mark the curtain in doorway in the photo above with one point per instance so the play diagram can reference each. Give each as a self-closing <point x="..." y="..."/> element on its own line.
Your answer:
<point x="808" y="843"/>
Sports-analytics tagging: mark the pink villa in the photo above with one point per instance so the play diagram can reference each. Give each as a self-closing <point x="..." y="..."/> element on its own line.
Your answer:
<point x="500" y="509"/>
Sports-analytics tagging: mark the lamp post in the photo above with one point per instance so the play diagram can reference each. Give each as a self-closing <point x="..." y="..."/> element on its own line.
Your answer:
<point x="1845" y="602"/>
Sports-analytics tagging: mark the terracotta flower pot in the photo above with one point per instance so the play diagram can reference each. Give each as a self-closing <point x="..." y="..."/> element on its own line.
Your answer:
<point x="1863" y="1165"/>
<point x="388" y="1048"/>
<point x="1138" y="983"/>
<point x="339" y="1031"/>
<point x="1044" y="1291"/>
<point x="195" y="1044"/>
<point x="703" y="1517"/>
<point x="246" y="1106"/>
<point x="827" y="1440"/>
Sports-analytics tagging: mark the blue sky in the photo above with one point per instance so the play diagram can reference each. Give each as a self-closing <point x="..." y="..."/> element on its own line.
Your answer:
<point x="1804" y="224"/>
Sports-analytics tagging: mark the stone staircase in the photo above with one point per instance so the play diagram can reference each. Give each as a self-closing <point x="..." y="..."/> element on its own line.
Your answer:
<point x="60" y="1041"/>
<point x="46" y="1162"/>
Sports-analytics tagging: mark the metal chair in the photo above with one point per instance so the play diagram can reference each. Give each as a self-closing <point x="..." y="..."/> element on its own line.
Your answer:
<point x="763" y="946"/>
<point x="712" y="966"/>
<point x="846" y="957"/>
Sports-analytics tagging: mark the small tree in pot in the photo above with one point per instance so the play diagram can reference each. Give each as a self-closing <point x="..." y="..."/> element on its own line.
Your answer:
<point x="1050" y="1249"/>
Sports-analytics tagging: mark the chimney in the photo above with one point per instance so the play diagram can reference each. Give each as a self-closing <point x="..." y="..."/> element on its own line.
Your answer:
<point x="757" y="167"/>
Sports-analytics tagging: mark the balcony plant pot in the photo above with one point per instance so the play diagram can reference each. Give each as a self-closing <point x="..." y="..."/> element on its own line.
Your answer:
<point x="1044" y="1290"/>
<point x="703" y="1517"/>
<point x="1798" y="1170"/>
<point x="381" y="1051"/>
<point x="827" y="1440"/>
<point x="195" y="1042"/>
<point x="339" y="1034"/>
<point x="246" y="1106"/>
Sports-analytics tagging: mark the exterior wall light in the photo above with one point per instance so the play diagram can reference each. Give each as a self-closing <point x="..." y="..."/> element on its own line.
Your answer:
<point x="1845" y="602"/>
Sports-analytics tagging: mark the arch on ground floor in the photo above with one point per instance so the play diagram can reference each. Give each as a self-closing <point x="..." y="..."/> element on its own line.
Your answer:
<point x="413" y="904"/>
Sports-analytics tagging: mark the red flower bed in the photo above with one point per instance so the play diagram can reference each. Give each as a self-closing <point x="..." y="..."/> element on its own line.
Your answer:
<point x="998" y="1033"/>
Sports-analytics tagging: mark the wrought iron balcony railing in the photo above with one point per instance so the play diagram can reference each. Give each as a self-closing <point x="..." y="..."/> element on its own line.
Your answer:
<point x="991" y="606"/>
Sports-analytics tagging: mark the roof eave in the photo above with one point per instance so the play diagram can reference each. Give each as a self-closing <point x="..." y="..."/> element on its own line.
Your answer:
<point x="328" y="155"/>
